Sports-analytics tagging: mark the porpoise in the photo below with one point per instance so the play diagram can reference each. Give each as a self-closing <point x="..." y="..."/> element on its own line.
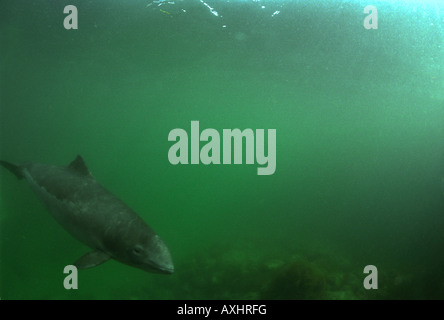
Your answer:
<point x="94" y="216"/>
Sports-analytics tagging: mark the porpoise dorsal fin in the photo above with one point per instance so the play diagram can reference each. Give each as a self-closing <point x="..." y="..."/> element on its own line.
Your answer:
<point x="92" y="259"/>
<point x="79" y="166"/>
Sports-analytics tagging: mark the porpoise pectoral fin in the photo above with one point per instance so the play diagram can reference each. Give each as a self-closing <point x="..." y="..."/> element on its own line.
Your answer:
<point x="91" y="259"/>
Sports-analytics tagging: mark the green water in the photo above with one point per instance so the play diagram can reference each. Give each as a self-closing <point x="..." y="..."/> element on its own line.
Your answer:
<point x="359" y="153"/>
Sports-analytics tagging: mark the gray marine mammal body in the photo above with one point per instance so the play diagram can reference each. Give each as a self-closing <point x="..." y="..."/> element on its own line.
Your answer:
<point x="94" y="216"/>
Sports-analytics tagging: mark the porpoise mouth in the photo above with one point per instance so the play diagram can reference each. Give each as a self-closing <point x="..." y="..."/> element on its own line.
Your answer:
<point x="167" y="270"/>
<point x="156" y="268"/>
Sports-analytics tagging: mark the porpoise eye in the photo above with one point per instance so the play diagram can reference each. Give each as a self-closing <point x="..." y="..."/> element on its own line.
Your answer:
<point x="138" y="250"/>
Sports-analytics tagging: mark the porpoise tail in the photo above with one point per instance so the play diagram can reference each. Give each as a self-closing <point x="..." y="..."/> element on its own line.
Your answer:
<point x="13" y="168"/>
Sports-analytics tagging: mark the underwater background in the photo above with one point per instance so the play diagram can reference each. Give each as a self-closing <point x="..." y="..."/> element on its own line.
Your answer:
<point x="359" y="118"/>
